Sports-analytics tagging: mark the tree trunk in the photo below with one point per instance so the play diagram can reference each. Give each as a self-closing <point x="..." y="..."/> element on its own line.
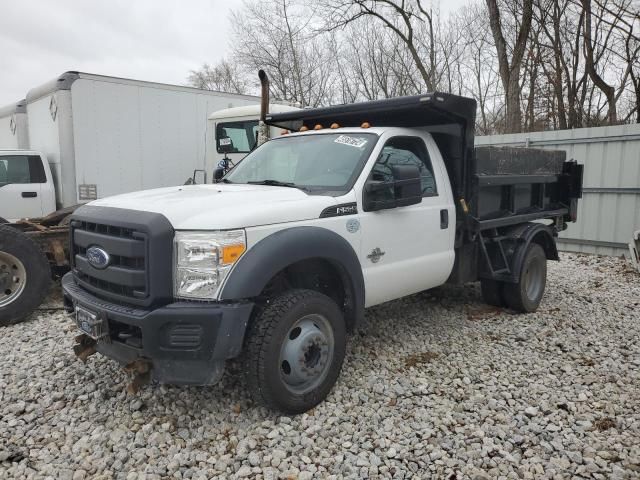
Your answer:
<point x="608" y="91"/>
<point x="510" y="71"/>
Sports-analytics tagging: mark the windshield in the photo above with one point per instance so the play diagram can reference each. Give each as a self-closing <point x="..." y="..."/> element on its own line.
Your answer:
<point x="236" y="137"/>
<point x="317" y="163"/>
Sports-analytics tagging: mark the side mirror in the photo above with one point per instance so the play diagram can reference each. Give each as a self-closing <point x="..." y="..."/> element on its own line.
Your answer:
<point x="407" y="185"/>
<point x="193" y="178"/>
<point x="405" y="189"/>
<point x="218" y="173"/>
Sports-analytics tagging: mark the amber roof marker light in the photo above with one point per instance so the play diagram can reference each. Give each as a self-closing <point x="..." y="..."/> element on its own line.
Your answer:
<point x="365" y="125"/>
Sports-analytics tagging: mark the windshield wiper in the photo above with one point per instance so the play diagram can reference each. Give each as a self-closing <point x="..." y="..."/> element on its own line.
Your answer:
<point x="274" y="183"/>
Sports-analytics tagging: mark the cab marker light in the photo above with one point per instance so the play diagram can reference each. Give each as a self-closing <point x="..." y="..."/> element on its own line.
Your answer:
<point x="335" y="125"/>
<point x="318" y="127"/>
<point x="303" y="128"/>
<point x="365" y="125"/>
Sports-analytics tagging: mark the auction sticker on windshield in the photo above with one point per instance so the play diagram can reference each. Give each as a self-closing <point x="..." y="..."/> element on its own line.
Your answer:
<point x="357" y="142"/>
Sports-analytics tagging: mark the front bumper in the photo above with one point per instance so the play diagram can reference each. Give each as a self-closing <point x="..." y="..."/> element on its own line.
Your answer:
<point x="185" y="342"/>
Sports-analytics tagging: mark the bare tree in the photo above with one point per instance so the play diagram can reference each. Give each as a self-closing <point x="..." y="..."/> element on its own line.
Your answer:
<point x="530" y="64"/>
<point x="222" y="77"/>
<point x="279" y="36"/>
<point x="510" y="69"/>
<point x="412" y="22"/>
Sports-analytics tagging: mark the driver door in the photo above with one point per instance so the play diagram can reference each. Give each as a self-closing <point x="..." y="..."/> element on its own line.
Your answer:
<point x="21" y="178"/>
<point x="405" y="250"/>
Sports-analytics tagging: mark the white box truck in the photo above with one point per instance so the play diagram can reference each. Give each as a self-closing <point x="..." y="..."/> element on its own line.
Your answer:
<point x="89" y="137"/>
<point x="13" y="126"/>
<point x="103" y="136"/>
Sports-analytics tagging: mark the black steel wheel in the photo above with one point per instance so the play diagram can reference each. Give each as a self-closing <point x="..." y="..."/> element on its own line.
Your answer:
<point x="294" y="351"/>
<point x="525" y="295"/>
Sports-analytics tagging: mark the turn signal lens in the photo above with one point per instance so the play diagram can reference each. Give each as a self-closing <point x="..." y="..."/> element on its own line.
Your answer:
<point x="231" y="253"/>
<point x="365" y="125"/>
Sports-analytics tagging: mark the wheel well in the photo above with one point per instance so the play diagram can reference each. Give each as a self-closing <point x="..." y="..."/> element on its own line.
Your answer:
<point x="317" y="274"/>
<point x="545" y="240"/>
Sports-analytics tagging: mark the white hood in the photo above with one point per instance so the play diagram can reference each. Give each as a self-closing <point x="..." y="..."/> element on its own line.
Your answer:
<point x="223" y="206"/>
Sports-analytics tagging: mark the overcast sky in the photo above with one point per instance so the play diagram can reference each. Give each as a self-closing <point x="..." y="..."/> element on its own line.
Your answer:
<point x="155" y="40"/>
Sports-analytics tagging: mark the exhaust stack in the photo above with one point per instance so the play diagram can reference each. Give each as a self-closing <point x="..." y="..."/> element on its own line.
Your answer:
<point x="263" y="129"/>
<point x="264" y="95"/>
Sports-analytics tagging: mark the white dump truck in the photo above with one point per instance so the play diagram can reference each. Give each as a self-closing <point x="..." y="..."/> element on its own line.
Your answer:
<point x="358" y="205"/>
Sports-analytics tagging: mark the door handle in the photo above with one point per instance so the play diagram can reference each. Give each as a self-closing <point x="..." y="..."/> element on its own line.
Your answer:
<point x="444" y="219"/>
<point x="29" y="194"/>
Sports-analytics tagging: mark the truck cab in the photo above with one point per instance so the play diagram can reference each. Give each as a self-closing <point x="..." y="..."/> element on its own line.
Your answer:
<point x="232" y="133"/>
<point x="277" y="262"/>
<point x="26" y="185"/>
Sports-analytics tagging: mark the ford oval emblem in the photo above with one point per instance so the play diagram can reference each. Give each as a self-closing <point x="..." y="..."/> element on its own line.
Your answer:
<point x="98" y="258"/>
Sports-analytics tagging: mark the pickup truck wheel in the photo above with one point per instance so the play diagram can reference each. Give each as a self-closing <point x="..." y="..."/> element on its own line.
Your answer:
<point x="492" y="292"/>
<point x="294" y="351"/>
<point x="25" y="276"/>
<point x="525" y="296"/>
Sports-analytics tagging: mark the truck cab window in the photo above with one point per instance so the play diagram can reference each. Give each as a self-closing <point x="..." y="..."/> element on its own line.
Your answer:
<point x="403" y="151"/>
<point x="241" y="134"/>
<point x="21" y="169"/>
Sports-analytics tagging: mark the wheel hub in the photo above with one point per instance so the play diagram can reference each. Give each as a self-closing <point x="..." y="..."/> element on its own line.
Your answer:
<point x="306" y="352"/>
<point x="13" y="278"/>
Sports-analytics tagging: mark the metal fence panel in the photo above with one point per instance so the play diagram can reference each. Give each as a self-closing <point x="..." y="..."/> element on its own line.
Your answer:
<point x="609" y="211"/>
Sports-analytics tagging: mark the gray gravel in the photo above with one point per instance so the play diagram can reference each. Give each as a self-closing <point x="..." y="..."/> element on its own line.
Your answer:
<point x="435" y="385"/>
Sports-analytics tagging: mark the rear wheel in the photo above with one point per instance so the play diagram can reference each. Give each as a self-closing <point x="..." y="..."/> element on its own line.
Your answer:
<point x="295" y="349"/>
<point x="25" y="276"/>
<point x="525" y="295"/>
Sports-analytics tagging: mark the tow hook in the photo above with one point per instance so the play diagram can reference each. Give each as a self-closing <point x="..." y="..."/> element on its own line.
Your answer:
<point x="85" y="347"/>
<point x="141" y="371"/>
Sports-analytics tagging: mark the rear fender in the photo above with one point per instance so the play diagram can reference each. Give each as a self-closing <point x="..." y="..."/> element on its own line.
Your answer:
<point x="522" y="236"/>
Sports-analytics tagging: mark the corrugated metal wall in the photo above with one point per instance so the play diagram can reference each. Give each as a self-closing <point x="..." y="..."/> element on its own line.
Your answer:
<point x="610" y="208"/>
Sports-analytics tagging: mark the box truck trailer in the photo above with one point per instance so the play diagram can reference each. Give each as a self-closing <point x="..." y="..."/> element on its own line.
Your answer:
<point x="88" y="137"/>
<point x="103" y="136"/>
<point x="13" y="126"/>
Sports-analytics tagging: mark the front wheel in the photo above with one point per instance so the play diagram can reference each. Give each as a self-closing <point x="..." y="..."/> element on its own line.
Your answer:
<point x="294" y="351"/>
<point x="525" y="295"/>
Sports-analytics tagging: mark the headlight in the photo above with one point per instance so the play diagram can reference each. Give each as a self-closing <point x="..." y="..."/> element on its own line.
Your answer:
<point x="203" y="260"/>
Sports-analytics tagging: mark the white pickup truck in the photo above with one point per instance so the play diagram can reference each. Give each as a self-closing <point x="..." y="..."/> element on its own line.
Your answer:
<point x="358" y="205"/>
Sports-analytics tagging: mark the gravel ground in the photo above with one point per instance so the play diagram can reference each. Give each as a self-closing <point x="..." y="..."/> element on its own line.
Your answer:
<point x="435" y="385"/>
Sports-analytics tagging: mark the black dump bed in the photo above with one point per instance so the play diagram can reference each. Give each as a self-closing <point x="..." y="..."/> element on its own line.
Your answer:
<point x="523" y="183"/>
<point x="493" y="187"/>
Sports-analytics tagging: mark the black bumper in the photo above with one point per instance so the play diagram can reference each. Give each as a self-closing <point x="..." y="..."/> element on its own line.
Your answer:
<point x="186" y="342"/>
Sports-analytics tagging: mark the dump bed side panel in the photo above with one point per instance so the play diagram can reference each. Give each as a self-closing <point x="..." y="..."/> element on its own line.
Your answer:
<point x="515" y="181"/>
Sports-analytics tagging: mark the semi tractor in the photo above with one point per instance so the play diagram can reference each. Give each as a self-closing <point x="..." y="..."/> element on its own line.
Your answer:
<point x="80" y="137"/>
<point x="276" y="263"/>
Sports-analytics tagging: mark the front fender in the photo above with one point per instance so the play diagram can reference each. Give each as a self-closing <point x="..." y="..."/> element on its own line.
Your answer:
<point x="279" y="250"/>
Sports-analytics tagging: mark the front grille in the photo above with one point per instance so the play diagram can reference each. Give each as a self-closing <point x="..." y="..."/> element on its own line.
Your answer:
<point x="140" y="249"/>
<point x="126" y="276"/>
